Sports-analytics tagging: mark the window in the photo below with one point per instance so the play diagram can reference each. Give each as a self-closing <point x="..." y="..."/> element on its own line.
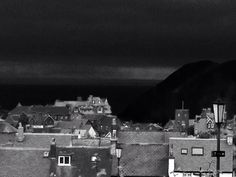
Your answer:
<point x="197" y="151"/>
<point x="187" y="175"/>
<point x="184" y="151"/>
<point x="212" y="125"/>
<point x="64" y="160"/>
<point x="100" y="110"/>
<point x="209" y="125"/>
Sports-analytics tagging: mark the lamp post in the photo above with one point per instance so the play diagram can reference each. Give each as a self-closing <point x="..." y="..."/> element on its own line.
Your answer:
<point x="219" y="110"/>
<point x="118" y="155"/>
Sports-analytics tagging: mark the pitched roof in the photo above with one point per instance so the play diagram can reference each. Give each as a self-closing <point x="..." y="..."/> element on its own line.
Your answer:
<point x="169" y="124"/>
<point x="52" y="110"/>
<point x="56" y="110"/>
<point x="13" y="120"/>
<point x="37" y="109"/>
<point x="75" y="123"/>
<point x="153" y="127"/>
<point x="15" y="162"/>
<point x="93" y="117"/>
<point x="20" y="109"/>
<point x="81" y="162"/>
<point x="143" y="160"/>
<point x="7" y="128"/>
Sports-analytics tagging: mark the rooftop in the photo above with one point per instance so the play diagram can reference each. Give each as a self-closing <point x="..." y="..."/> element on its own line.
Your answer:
<point x="143" y="160"/>
<point x="145" y="137"/>
<point x="7" y="128"/>
<point x="26" y="162"/>
<point x="81" y="164"/>
<point x="52" y="110"/>
<point x="35" y="140"/>
<point x="195" y="138"/>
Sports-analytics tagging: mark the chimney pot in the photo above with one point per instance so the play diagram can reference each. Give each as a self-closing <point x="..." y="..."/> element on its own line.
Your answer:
<point x="20" y="133"/>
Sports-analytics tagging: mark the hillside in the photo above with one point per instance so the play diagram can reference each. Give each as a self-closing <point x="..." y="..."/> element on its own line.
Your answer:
<point x="197" y="84"/>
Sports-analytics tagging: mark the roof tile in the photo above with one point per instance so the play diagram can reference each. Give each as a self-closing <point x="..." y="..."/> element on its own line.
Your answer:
<point x="23" y="163"/>
<point x="143" y="160"/>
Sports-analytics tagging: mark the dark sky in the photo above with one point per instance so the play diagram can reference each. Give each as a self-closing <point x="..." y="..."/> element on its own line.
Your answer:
<point x="78" y="40"/>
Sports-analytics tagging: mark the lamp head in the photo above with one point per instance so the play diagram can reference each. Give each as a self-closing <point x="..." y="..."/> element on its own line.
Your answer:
<point x="118" y="152"/>
<point x="219" y="110"/>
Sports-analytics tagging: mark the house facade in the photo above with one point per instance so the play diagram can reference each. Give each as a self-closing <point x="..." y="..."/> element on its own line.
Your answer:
<point x="192" y="157"/>
<point x="93" y="105"/>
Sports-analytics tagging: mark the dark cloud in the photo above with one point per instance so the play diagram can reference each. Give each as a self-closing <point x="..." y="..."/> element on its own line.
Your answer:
<point x="118" y="27"/>
<point x="123" y="33"/>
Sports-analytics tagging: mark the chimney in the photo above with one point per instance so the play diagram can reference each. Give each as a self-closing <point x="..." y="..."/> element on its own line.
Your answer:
<point x="113" y="136"/>
<point x="79" y="98"/>
<point x="90" y="98"/>
<point x="52" y="152"/>
<point x="20" y="133"/>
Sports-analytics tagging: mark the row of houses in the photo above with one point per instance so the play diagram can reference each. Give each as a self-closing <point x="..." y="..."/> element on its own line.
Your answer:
<point x="202" y="125"/>
<point x="93" y="105"/>
<point x="46" y="141"/>
<point x="144" y="153"/>
<point x="65" y="117"/>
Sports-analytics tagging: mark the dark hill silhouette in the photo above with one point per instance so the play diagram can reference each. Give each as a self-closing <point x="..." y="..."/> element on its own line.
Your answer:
<point x="197" y="84"/>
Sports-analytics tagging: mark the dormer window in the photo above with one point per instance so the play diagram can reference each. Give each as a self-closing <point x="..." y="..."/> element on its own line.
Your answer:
<point x="99" y="110"/>
<point x="64" y="160"/>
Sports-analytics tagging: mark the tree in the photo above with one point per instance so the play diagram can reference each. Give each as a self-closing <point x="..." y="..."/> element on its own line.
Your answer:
<point x="24" y="120"/>
<point x="190" y="130"/>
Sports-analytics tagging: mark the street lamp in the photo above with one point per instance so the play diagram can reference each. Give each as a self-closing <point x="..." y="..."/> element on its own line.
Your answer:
<point x="219" y="110"/>
<point x="118" y="155"/>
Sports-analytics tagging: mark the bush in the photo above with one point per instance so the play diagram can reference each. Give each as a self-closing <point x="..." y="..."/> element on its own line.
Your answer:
<point x="190" y="130"/>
